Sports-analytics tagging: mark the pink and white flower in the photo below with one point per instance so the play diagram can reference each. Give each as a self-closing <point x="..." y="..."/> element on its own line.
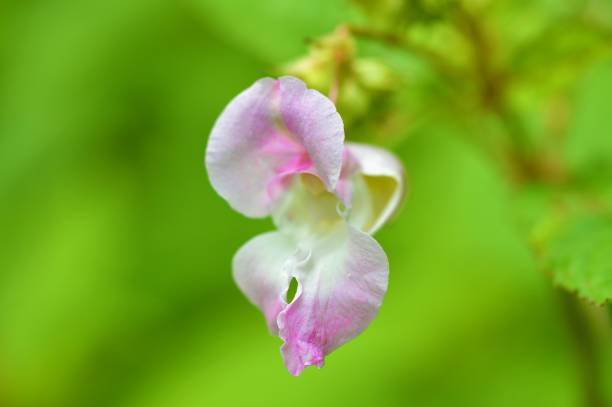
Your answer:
<point x="278" y="150"/>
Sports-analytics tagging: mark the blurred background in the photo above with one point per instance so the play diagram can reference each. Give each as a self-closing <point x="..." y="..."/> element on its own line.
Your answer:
<point x="115" y="252"/>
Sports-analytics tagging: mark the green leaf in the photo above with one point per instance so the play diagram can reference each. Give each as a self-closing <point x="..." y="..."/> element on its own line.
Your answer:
<point x="580" y="258"/>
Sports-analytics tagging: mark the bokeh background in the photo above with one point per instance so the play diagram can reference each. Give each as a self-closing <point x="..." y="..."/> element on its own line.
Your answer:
<point x="115" y="252"/>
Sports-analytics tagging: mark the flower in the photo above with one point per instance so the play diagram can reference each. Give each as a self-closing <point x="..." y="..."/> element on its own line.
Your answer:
<point x="278" y="150"/>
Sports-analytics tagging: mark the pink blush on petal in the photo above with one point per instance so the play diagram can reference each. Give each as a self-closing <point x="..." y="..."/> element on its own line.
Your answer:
<point x="344" y="187"/>
<point x="299" y="354"/>
<point x="281" y="144"/>
<point x="304" y="335"/>
<point x="297" y="164"/>
<point x="280" y="182"/>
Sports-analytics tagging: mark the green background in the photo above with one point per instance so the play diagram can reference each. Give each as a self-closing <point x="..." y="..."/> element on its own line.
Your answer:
<point x="115" y="252"/>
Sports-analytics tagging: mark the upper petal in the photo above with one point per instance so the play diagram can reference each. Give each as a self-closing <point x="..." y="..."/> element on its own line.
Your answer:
<point x="378" y="186"/>
<point x="313" y="119"/>
<point x="273" y="129"/>
<point x="340" y="289"/>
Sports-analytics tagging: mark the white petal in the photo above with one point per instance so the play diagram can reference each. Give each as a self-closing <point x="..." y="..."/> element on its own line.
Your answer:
<point x="378" y="187"/>
<point x="262" y="270"/>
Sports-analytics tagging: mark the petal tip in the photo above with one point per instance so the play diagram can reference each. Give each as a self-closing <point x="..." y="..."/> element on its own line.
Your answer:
<point x="299" y="354"/>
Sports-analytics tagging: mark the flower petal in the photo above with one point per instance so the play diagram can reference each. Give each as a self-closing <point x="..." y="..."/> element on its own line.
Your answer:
<point x="340" y="289"/>
<point x="307" y="209"/>
<point x="270" y="131"/>
<point x="262" y="269"/>
<point x="342" y="279"/>
<point x="313" y="119"/>
<point x="378" y="187"/>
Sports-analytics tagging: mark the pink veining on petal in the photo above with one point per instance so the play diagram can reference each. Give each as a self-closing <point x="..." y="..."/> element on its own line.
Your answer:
<point x="297" y="164"/>
<point x="312" y="329"/>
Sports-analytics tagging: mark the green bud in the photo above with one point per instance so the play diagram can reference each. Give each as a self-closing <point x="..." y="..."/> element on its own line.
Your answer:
<point x="353" y="100"/>
<point x="332" y="67"/>
<point x="326" y="57"/>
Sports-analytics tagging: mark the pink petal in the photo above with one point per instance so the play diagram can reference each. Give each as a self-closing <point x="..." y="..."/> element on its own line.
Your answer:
<point x="313" y="119"/>
<point x="378" y="186"/>
<point x="344" y="187"/>
<point x="340" y="290"/>
<point x="342" y="278"/>
<point x="270" y="131"/>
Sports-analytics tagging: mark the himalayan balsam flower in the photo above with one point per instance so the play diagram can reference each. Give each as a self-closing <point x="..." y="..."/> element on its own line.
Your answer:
<point x="278" y="150"/>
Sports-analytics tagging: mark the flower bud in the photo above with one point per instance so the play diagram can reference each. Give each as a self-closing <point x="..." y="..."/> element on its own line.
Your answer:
<point x="332" y="67"/>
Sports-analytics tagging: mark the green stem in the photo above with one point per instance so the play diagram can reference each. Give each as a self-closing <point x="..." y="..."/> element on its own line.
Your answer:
<point x="584" y="337"/>
<point x="394" y="40"/>
<point x="492" y="84"/>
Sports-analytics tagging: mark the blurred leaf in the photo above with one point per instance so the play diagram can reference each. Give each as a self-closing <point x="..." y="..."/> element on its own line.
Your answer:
<point x="589" y="134"/>
<point x="561" y="52"/>
<point x="580" y="258"/>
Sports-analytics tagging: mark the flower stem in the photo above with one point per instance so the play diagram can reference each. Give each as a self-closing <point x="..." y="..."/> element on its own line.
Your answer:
<point x="334" y="88"/>
<point x="395" y="40"/>
<point x="586" y="344"/>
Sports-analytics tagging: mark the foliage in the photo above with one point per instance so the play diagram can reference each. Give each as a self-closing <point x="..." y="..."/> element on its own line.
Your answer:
<point x="580" y="258"/>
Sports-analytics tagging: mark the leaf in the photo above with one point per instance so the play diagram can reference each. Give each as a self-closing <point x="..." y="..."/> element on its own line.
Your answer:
<point x="588" y="148"/>
<point x="580" y="258"/>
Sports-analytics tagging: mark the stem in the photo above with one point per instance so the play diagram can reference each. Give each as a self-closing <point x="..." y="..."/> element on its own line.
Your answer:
<point x="333" y="91"/>
<point x="585" y="345"/>
<point x="521" y="163"/>
<point x="492" y="89"/>
<point x="401" y="42"/>
<point x="334" y="87"/>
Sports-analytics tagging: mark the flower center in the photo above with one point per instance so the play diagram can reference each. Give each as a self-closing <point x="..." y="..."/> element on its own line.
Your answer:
<point x="307" y="209"/>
